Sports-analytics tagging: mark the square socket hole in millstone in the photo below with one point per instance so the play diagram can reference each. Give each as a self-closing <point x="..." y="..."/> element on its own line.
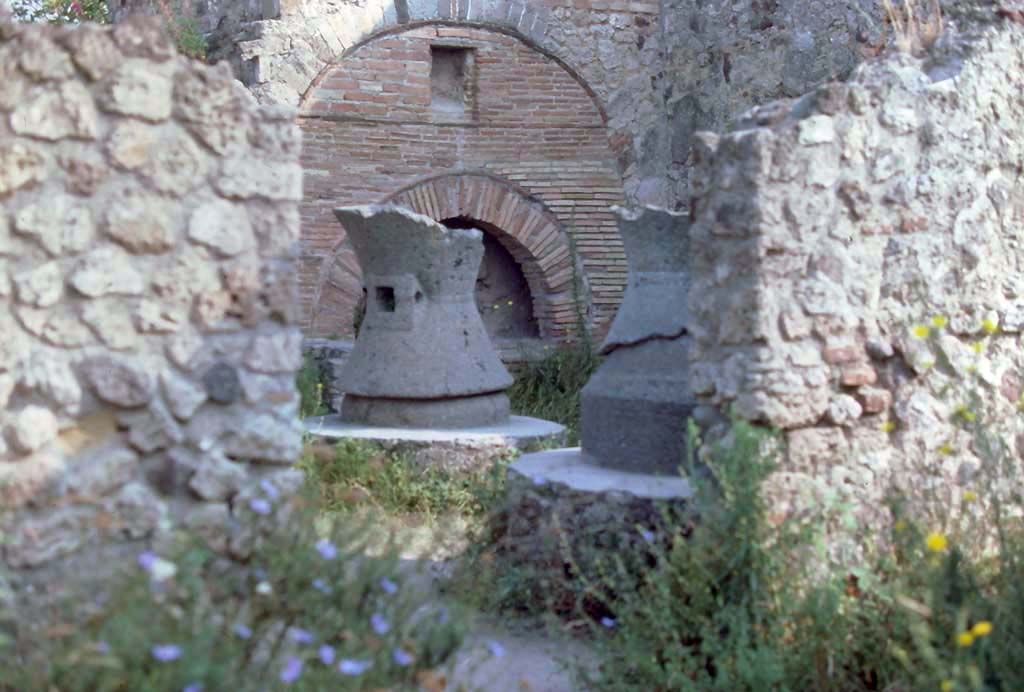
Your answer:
<point x="385" y="298"/>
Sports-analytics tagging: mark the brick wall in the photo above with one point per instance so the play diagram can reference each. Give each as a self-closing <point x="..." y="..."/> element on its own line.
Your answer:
<point x="531" y="135"/>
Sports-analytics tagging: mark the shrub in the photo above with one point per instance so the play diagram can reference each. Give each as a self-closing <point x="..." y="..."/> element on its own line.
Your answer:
<point x="310" y="611"/>
<point x="309" y="382"/>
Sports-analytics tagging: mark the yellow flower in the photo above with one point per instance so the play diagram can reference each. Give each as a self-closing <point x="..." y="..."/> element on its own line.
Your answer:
<point x="900" y="525"/>
<point x="946" y="686"/>
<point x="887" y="426"/>
<point x="978" y="347"/>
<point x="495" y="307"/>
<point x="970" y="496"/>
<point x="990" y="326"/>
<point x="939" y="321"/>
<point x="510" y="302"/>
<point x="965" y="639"/>
<point x="946" y="449"/>
<point x="982" y="628"/>
<point x="969" y="415"/>
<point x="920" y="331"/>
<point x="936" y="542"/>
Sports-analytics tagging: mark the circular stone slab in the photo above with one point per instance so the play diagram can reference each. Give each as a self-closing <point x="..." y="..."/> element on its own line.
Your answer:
<point x="462" y="449"/>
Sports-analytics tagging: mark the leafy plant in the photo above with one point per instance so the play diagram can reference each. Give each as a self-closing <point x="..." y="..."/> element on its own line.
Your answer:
<point x="311" y="611"/>
<point x="309" y="382"/>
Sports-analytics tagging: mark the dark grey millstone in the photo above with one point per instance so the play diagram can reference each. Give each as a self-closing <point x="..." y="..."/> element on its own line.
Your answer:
<point x="422" y="347"/>
<point x="634" y="410"/>
<point x="222" y="383"/>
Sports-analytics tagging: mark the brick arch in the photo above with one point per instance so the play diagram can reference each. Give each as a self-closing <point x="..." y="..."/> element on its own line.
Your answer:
<point x="522" y="224"/>
<point x="500" y="25"/>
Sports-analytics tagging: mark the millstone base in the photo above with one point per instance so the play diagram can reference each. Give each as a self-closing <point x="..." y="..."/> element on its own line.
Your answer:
<point x="457" y="413"/>
<point x="463" y="449"/>
<point x="559" y="493"/>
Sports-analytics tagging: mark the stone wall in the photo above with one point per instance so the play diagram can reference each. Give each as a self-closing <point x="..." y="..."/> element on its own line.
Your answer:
<point x="828" y="227"/>
<point x="148" y="218"/>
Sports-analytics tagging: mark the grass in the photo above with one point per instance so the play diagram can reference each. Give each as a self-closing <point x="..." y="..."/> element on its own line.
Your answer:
<point x="353" y="474"/>
<point x="550" y="389"/>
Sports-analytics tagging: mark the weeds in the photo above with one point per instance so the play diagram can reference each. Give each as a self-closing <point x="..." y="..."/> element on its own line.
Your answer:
<point x="311" y="612"/>
<point x="309" y="383"/>
<point x="352" y="474"/>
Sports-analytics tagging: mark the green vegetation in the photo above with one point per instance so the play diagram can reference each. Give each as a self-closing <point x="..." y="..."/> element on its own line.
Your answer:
<point x="550" y="389"/>
<point x="309" y="383"/>
<point x="311" y="612"/>
<point x="357" y="474"/>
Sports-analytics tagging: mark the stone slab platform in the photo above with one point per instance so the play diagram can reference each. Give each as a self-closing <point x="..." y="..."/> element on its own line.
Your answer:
<point x="463" y="449"/>
<point x="559" y="494"/>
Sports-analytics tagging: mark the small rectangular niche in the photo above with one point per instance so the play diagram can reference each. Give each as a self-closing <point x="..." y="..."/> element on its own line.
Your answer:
<point x="385" y="298"/>
<point x="451" y="80"/>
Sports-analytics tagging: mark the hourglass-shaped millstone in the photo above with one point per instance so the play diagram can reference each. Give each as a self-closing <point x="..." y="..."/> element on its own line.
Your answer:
<point x="422" y="358"/>
<point x="635" y="407"/>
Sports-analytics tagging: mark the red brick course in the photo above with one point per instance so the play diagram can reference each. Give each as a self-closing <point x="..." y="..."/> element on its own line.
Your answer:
<point x="530" y="159"/>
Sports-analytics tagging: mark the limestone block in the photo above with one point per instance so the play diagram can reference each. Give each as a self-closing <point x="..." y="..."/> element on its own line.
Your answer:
<point x="55" y="114"/>
<point x="111" y="323"/>
<point x="5" y="279"/>
<point x="221" y="226"/>
<point x="183" y="396"/>
<point x="153" y="318"/>
<point x="183" y="347"/>
<point x="175" y="165"/>
<point x="267" y="388"/>
<point x="216" y="478"/>
<point x="40" y="287"/>
<point x="206" y="101"/>
<point x="152" y="429"/>
<point x="92" y="50"/>
<point x="264" y="438"/>
<point x="815" y="449"/>
<point x="50" y="375"/>
<point x="59" y="325"/>
<point x="38" y="540"/>
<point x="250" y="177"/>
<point x="45" y="60"/>
<point x="137" y="510"/>
<point x="817" y="129"/>
<point x="20" y="165"/>
<point x="844" y="410"/>
<point x="120" y="382"/>
<point x="145" y="37"/>
<point x="221" y="382"/>
<point x="22" y="480"/>
<point x="85" y="170"/>
<point x="61" y="225"/>
<point x="130" y="143"/>
<point x="106" y="271"/>
<point x="7" y="383"/>
<point x="278" y="352"/>
<point x="137" y="91"/>
<point x="100" y="471"/>
<point x="32" y="428"/>
<point x="142" y="223"/>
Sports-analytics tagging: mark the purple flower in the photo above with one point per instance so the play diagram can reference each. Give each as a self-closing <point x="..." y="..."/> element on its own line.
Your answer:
<point x="102" y="647"/>
<point x="326" y="549"/>
<point x="242" y="631"/>
<point x="260" y="506"/>
<point x="301" y="636"/>
<point x="349" y="666"/>
<point x="291" y="671"/>
<point x="166" y="652"/>
<point x="608" y="622"/>
<point x="647" y="535"/>
<point x="269" y="489"/>
<point x="442" y="616"/>
<point x="538" y="480"/>
<point x="379" y="624"/>
<point x="496" y="649"/>
<point x="402" y="657"/>
<point x="388" y="585"/>
<point x="146" y="559"/>
<point x="327" y="654"/>
<point x="321" y="586"/>
<point x="192" y="687"/>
